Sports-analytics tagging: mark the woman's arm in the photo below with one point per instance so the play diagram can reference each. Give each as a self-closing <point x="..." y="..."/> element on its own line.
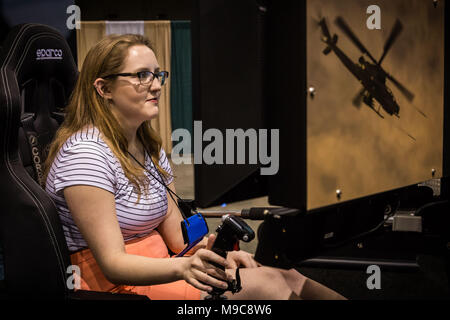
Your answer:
<point x="170" y="228"/>
<point x="93" y="211"/>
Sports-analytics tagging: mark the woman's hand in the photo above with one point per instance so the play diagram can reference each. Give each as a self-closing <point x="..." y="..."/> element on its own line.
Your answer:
<point x="201" y="245"/>
<point x="241" y="259"/>
<point x="201" y="273"/>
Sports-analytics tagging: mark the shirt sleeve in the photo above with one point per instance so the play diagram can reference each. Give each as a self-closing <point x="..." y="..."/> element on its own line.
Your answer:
<point x="164" y="163"/>
<point x="84" y="163"/>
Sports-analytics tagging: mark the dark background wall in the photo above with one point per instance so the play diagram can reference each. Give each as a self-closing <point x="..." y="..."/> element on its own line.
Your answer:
<point x="53" y="13"/>
<point x="135" y="10"/>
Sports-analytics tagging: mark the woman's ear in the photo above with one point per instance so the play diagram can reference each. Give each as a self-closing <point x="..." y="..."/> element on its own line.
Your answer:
<point x="102" y="88"/>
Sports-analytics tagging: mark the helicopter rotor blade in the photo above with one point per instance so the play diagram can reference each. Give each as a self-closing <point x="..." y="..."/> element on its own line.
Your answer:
<point x="408" y="94"/>
<point x="346" y="29"/>
<point x="396" y="30"/>
<point x="324" y="27"/>
<point x="357" y="100"/>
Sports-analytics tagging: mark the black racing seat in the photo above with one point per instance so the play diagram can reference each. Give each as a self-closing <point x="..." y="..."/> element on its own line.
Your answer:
<point x="37" y="75"/>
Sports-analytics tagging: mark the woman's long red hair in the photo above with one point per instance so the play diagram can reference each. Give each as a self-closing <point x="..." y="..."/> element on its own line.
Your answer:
<point x="87" y="108"/>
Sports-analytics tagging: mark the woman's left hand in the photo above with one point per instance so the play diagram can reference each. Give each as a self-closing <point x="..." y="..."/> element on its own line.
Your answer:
<point x="241" y="259"/>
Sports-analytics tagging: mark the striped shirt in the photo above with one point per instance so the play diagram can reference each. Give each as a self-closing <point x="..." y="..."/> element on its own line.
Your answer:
<point x="85" y="159"/>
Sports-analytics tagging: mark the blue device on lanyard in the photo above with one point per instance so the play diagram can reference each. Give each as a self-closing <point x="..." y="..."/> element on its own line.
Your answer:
<point x="194" y="229"/>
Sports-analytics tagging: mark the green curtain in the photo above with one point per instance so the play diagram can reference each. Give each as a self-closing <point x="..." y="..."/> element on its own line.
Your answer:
<point x="181" y="76"/>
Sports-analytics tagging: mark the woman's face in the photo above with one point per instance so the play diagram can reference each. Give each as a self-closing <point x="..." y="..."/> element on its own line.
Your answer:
<point x="132" y="102"/>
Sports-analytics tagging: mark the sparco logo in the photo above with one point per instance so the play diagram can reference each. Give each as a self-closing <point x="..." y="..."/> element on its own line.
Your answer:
<point x="46" y="54"/>
<point x="36" y="157"/>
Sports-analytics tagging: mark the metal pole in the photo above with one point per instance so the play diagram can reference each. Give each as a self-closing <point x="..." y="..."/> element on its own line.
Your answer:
<point x="219" y="213"/>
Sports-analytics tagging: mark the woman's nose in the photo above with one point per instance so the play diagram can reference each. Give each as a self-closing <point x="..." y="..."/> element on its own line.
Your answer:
<point x="156" y="85"/>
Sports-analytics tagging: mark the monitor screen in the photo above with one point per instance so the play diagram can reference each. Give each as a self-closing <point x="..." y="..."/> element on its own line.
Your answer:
<point x="355" y="91"/>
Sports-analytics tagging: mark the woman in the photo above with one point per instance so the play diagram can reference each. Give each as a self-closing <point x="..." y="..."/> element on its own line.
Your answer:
<point x="118" y="219"/>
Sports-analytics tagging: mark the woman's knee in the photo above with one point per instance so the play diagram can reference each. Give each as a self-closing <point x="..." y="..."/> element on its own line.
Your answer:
<point x="267" y="275"/>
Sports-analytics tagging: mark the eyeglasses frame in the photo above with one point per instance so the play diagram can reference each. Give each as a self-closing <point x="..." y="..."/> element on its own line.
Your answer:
<point x="136" y="74"/>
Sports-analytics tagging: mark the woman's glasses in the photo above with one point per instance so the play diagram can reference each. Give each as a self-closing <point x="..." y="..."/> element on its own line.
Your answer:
<point x="145" y="77"/>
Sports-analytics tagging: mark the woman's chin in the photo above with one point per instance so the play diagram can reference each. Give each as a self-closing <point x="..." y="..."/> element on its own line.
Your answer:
<point x="153" y="114"/>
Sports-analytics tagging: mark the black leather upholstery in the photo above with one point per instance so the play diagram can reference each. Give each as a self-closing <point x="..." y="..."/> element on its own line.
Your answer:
<point x="37" y="75"/>
<point x="35" y="252"/>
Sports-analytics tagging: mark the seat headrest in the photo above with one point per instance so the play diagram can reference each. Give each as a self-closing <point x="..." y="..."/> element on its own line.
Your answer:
<point x="38" y="52"/>
<point x="37" y="75"/>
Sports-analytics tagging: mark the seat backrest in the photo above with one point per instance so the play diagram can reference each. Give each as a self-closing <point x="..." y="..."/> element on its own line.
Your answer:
<point x="37" y="75"/>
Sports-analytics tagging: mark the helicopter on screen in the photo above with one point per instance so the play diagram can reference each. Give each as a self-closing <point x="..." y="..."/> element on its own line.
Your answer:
<point x="371" y="75"/>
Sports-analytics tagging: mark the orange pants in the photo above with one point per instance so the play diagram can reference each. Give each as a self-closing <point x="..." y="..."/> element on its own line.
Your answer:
<point x="151" y="246"/>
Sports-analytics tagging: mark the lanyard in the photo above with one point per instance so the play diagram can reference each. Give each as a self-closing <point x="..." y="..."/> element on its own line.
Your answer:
<point x="162" y="182"/>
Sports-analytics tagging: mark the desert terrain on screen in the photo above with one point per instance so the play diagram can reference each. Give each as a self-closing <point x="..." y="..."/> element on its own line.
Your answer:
<point x="355" y="143"/>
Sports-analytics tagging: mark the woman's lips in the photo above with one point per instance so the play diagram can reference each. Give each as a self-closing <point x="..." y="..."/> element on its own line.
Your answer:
<point x="153" y="100"/>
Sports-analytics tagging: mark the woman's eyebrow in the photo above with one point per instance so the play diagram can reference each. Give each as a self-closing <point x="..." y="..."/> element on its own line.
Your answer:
<point x="146" y="69"/>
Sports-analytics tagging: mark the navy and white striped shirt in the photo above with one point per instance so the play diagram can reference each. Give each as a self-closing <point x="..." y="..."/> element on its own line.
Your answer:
<point x="85" y="159"/>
